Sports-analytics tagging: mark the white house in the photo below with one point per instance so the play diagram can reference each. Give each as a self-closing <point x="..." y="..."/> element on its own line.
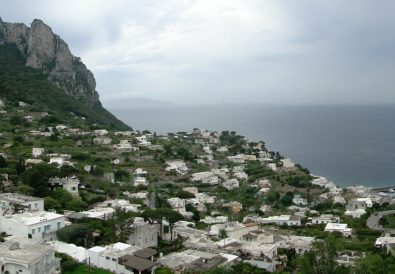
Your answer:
<point x="324" y="219"/>
<point x="60" y="161"/>
<point x="143" y="234"/>
<point x="192" y="189"/>
<point x="238" y="159"/>
<point x="27" y="256"/>
<point x="283" y="220"/>
<point x="140" y="181"/>
<point x="120" y="204"/>
<point x="178" y="166"/>
<point x="36" y="225"/>
<point x="102" y="140"/>
<point x="37" y="152"/>
<point x="298" y="200"/>
<point x="384" y="242"/>
<point x="288" y="164"/>
<point x="179" y="205"/>
<point x="241" y="175"/>
<point x="100" y="132"/>
<point x="121" y="258"/>
<point x="215" y="220"/>
<point x="28" y="203"/>
<point x="272" y="166"/>
<point x="341" y="228"/>
<point x="102" y="213"/>
<point x="231" y="184"/>
<point x="70" y="184"/>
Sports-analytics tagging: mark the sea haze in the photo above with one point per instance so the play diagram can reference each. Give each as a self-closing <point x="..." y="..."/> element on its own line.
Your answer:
<point x="347" y="144"/>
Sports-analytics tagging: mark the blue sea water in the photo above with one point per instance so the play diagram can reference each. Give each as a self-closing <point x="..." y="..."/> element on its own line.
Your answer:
<point x="347" y="144"/>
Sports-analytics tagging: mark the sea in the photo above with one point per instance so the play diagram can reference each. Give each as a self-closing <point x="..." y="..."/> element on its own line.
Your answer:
<point x="348" y="144"/>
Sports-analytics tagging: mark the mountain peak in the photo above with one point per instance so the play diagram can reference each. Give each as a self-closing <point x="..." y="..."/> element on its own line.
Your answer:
<point x="47" y="51"/>
<point x="43" y="50"/>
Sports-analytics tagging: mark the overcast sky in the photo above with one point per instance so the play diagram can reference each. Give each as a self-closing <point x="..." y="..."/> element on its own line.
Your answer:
<point x="198" y="51"/>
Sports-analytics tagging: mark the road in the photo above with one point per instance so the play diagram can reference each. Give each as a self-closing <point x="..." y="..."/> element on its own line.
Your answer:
<point x="373" y="221"/>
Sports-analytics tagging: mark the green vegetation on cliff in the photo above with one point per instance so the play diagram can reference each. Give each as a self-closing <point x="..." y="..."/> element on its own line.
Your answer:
<point x="21" y="83"/>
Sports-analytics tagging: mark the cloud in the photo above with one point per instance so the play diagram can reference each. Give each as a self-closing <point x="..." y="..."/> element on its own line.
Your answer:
<point x="228" y="50"/>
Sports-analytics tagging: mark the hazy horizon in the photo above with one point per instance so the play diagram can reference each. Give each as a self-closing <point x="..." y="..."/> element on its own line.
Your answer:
<point x="233" y="51"/>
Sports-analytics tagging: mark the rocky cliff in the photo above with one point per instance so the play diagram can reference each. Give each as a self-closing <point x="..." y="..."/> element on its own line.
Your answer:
<point x="42" y="49"/>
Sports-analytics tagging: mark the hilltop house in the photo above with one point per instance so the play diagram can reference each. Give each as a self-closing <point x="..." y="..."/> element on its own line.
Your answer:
<point x="69" y="183"/>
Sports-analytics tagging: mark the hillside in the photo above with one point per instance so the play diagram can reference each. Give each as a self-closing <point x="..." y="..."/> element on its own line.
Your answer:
<point x="44" y="82"/>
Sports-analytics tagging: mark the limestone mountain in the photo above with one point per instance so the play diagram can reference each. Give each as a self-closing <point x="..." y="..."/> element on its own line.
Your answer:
<point x="40" y="50"/>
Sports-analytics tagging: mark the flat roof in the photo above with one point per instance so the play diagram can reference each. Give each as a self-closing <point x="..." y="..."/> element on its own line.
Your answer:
<point x="145" y="253"/>
<point x="136" y="263"/>
<point x="18" y="198"/>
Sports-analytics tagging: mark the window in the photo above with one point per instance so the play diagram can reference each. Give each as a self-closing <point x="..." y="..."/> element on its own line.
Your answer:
<point x="58" y="225"/>
<point x="39" y="229"/>
<point x="33" y="231"/>
<point x="47" y="227"/>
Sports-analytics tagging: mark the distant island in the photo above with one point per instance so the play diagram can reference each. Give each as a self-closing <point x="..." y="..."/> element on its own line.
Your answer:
<point x="82" y="192"/>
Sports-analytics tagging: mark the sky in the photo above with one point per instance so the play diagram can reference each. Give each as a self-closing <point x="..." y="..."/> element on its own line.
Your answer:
<point x="228" y="51"/>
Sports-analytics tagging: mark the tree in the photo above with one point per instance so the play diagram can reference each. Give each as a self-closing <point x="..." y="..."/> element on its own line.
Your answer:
<point x="25" y="189"/>
<point x="286" y="200"/>
<point x="51" y="203"/>
<point x="184" y="194"/>
<point x="3" y="162"/>
<point x="371" y="264"/>
<point x="321" y="259"/>
<point x="66" y="171"/>
<point x="223" y="235"/>
<point x="74" y="234"/>
<point x="158" y="215"/>
<point x="121" y="175"/>
<point x="37" y="177"/>
<point x="272" y="196"/>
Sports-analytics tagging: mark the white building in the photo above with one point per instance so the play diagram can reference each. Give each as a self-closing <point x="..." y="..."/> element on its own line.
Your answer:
<point x="143" y="234"/>
<point x="60" y="161"/>
<point x="121" y="258"/>
<point x="298" y="200"/>
<point x="215" y="220"/>
<point x="36" y="225"/>
<point x="357" y="213"/>
<point x="120" y="204"/>
<point x="101" y="140"/>
<point x="206" y="177"/>
<point x="178" y="166"/>
<point x="26" y="256"/>
<point x="231" y="184"/>
<point x="178" y="205"/>
<point x="70" y="184"/>
<point x="341" y="228"/>
<point x="283" y="220"/>
<point x="37" y="152"/>
<point x="139" y="172"/>
<point x="193" y="190"/>
<point x="272" y="166"/>
<point x="140" y="181"/>
<point x="384" y="242"/>
<point x="100" y="132"/>
<point x="102" y="213"/>
<point x="238" y="159"/>
<point x="324" y="219"/>
<point x="288" y="164"/>
<point x="8" y="201"/>
<point x="241" y="175"/>
<point x="205" y="198"/>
